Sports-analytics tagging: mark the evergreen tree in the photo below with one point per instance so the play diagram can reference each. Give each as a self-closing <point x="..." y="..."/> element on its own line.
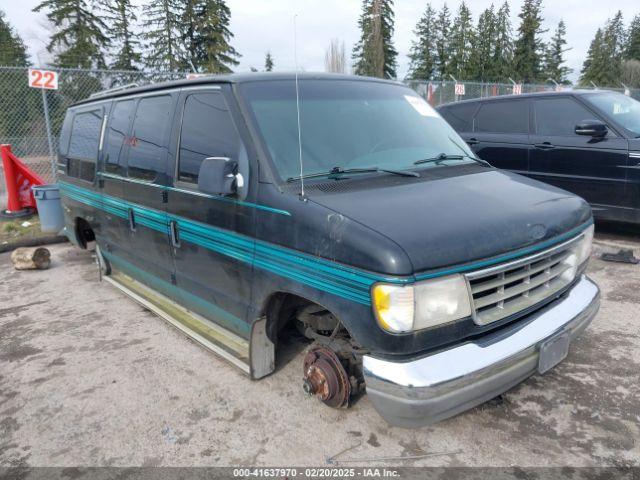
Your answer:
<point x="13" y="51"/>
<point x="162" y="33"/>
<point x="374" y="54"/>
<point x="79" y="40"/>
<point x="443" y="49"/>
<point x="462" y="40"/>
<point x="632" y="49"/>
<point x="529" y="47"/>
<point x="483" y="66"/>
<point x="603" y="65"/>
<point x="120" y="18"/>
<point x="423" y="55"/>
<point x="503" y="44"/>
<point x="554" y="67"/>
<point x="268" y="62"/>
<point x="205" y="32"/>
<point x="594" y="66"/>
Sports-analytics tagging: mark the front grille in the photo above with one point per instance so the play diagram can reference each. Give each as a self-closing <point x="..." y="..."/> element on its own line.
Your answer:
<point x="506" y="289"/>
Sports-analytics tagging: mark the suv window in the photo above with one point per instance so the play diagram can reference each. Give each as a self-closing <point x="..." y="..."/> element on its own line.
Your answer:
<point x="460" y="116"/>
<point x="116" y="138"/>
<point x="503" y="117"/>
<point x="83" y="145"/>
<point x="207" y="131"/>
<point x="148" y="143"/>
<point x="559" y="116"/>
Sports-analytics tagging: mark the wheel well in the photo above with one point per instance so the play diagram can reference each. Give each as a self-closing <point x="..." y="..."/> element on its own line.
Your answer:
<point x="84" y="232"/>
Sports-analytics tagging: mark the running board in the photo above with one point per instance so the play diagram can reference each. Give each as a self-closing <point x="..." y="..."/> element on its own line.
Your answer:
<point x="220" y="341"/>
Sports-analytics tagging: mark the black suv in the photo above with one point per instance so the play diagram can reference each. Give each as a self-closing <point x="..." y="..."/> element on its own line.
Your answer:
<point x="585" y="142"/>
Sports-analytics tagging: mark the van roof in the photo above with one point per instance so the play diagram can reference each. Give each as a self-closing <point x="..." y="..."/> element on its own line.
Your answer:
<point x="525" y="95"/>
<point x="229" y="78"/>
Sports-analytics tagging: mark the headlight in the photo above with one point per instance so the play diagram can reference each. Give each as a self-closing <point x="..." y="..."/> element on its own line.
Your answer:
<point x="405" y="308"/>
<point x="580" y="253"/>
<point x="584" y="248"/>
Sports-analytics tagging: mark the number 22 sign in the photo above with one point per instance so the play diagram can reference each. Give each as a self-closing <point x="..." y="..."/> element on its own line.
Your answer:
<point x="43" y="79"/>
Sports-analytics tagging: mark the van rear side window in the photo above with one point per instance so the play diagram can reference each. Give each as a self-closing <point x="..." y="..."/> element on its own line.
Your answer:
<point x="83" y="145"/>
<point x="148" y="144"/>
<point x="116" y="138"/>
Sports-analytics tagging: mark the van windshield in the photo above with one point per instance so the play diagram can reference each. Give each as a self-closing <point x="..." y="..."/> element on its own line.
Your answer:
<point x="619" y="107"/>
<point x="350" y="124"/>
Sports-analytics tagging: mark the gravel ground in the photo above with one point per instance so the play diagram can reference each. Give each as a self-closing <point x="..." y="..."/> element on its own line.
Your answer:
<point x="90" y="378"/>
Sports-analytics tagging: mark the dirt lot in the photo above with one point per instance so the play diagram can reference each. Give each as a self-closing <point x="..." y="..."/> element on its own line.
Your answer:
<point x="88" y="377"/>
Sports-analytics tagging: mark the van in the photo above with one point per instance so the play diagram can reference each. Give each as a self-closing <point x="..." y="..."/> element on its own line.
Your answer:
<point x="242" y="207"/>
<point x="583" y="141"/>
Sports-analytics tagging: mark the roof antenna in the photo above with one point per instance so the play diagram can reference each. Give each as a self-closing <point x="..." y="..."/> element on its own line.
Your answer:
<point x="295" y="58"/>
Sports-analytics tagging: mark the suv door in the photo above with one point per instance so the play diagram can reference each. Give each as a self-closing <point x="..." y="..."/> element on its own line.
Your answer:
<point x="501" y="134"/>
<point x="213" y="235"/>
<point x="590" y="167"/>
<point x="149" y="252"/>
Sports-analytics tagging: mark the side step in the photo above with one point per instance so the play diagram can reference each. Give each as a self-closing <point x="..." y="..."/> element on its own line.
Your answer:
<point x="219" y="340"/>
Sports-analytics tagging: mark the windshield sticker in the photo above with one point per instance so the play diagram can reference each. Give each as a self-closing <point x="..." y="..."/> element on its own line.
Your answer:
<point x="422" y="107"/>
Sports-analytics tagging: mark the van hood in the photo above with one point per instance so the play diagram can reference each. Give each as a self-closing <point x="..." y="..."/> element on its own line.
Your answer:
<point x="454" y="215"/>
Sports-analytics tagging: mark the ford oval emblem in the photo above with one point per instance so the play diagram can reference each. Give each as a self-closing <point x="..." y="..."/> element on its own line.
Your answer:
<point x="538" y="231"/>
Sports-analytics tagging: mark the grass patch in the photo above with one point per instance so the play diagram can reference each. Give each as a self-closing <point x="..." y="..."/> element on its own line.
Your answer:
<point x="15" y="229"/>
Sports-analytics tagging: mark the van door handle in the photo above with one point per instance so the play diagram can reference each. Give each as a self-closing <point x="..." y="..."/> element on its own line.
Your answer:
<point x="173" y="234"/>
<point x="132" y="220"/>
<point x="472" y="141"/>
<point x="544" y="146"/>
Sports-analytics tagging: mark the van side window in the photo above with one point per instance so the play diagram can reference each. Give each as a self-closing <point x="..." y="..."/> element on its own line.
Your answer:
<point x="460" y="117"/>
<point x="207" y="131"/>
<point x="83" y="145"/>
<point x="65" y="134"/>
<point x="148" y="143"/>
<point x="116" y="137"/>
<point x="503" y="117"/>
<point x="559" y="116"/>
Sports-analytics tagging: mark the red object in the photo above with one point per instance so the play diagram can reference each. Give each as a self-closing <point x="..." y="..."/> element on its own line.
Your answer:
<point x="19" y="179"/>
<point x="430" y="93"/>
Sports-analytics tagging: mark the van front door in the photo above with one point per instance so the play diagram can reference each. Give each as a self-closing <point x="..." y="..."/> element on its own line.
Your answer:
<point x="212" y="235"/>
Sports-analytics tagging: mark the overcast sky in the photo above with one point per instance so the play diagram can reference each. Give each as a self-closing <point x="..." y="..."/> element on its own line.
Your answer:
<point x="260" y="25"/>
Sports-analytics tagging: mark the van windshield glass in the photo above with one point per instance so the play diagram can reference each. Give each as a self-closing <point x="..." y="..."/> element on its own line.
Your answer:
<point x="350" y="124"/>
<point x="619" y="107"/>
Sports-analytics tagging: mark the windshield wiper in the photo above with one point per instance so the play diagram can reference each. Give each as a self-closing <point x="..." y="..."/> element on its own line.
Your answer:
<point x="340" y="171"/>
<point x="445" y="156"/>
<point x="439" y="158"/>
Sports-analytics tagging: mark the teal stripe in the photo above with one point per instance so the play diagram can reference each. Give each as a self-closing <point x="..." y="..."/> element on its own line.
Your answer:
<point x="227" y="318"/>
<point x="342" y="280"/>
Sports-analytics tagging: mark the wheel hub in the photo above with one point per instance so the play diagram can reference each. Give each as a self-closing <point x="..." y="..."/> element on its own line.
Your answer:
<point x="326" y="378"/>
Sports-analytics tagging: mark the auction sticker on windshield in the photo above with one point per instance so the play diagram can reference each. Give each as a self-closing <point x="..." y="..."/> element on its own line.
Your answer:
<point x="421" y="106"/>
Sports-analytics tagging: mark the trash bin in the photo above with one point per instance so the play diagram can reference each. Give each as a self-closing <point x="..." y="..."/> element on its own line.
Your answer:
<point x="49" y="207"/>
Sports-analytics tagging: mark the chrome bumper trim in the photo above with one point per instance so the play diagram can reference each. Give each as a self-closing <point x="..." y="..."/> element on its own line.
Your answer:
<point x="428" y="389"/>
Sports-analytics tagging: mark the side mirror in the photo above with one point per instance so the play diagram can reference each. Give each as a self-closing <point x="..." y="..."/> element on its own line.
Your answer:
<point x="592" y="128"/>
<point x="219" y="176"/>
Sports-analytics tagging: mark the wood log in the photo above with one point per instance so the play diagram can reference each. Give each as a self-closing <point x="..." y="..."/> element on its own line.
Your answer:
<point x="30" y="258"/>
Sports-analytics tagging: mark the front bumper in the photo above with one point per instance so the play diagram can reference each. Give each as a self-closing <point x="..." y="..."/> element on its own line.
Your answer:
<point x="428" y="389"/>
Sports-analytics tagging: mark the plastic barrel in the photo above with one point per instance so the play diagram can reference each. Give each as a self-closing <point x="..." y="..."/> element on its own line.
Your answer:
<point x="49" y="207"/>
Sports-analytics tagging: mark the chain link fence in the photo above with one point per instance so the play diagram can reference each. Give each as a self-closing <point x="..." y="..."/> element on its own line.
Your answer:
<point x="23" y="109"/>
<point x="438" y="93"/>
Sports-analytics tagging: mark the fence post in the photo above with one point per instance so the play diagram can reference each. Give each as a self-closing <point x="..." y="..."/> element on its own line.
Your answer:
<point x="52" y="157"/>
